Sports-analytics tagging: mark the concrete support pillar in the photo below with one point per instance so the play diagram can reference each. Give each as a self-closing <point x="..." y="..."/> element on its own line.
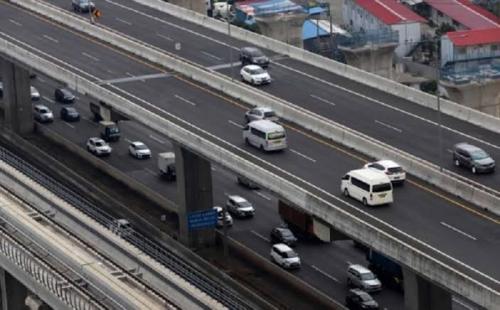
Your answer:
<point x="18" y="113"/>
<point x="283" y="27"/>
<point x="13" y="292"/>
<point x="33" y="302"/>
<point x="421" y="294"/>
<point x="194" y="189"/>
<point x="377" y="59"/>
<point x="482" y="95"/>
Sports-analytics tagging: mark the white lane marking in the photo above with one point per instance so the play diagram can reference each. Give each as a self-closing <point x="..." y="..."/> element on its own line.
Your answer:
<point x="42" y="80"/>
<point x="338" y="199"/>
<point x="322" y="99"/>
<point x="262" y="195"/>
<point x="325" y="274"/>
<point x="185" y="100"/>
<point x="260" y="236"/>
<point x="458" y="231"/>
<point x="128" y="140"/>
<point x="109" y="71"/>
<point x="213" y="168"/>
<point x="450" y="151"/>
<point x="150" y="171"/>
<point x="48" y="99"/>
<point x="90" y="56"/>
<point x="463" y="304"/>
<point x="302" y="155"/>
<point x="224" y="66"/>
<point x="165" y="37"/>
<point x="157" y="139"/>
<point x="130" y="74"/>
<point x="389" y="126"/>
<point x="235" y="124"/>
<point x="68" y="124"/>
<point x="50" y="38"/>
<point x="15" y="22"/>
<point x="211" y="55"/>
<point x="348" y="262"/>
<point x="123" y="21"/>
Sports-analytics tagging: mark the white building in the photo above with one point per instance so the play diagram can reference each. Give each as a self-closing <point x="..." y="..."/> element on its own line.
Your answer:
<point x="470" y="45"/>
<point x="365" y="15"/>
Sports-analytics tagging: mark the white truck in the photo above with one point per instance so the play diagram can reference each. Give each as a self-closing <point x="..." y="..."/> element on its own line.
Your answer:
<point x="166" y="164"/>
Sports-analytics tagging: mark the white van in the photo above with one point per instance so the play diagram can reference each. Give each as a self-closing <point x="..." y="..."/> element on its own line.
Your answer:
<point x="265" y="135"/>
<point x="368" y="186"/>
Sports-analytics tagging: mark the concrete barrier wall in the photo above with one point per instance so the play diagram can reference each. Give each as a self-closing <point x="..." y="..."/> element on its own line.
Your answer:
<point x="478" y="195"/>
<point x="415" y="259"/>
<point x="298" y="284"/>
<point x="448" y="107"/>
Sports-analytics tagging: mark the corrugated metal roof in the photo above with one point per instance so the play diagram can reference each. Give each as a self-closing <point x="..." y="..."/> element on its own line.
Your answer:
<point x="390" y="12"/>
<point x="466" y="13"/>
<point x="475" y="37"/>
<point x="311" y="30"/>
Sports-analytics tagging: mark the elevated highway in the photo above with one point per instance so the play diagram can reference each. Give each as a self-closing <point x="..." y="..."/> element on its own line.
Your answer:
<point x="313" y="177"/>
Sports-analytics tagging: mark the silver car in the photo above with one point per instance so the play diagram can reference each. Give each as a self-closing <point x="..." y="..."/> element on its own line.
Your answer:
<point x="362" y="277"/>
<point x="42" y="114"/>
<point x="259" y="113"/>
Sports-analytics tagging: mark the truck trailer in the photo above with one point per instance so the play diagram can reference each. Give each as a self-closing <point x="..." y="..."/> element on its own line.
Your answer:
<point x="303" y="223"/>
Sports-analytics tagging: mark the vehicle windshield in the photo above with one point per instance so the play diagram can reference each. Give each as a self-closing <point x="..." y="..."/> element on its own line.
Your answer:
<point x="269" y="114"/>
<point x="290" y="254"/>
<point x="382" y="187"/>
<point x="113" y="130"/>
<point x="275" y="135"/>
<point x="99" y="143"/>
<point x="42" y="110"/>
<point x="286" y="234"/>
<point x="367" y="276"/>
<point x="66" y="93"/>
<point x="256" y="53"/>
<point x="395" y="170"/>
<point x="244" y="204"/>
<point x="71" y="110"/>
<point x="257" y="71"/>
<point x="365" y="297"/>
<point x="478" y="155"/>
<point x="141" y="147"/>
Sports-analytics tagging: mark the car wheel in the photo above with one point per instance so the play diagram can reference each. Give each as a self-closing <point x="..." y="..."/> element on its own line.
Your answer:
<point x="247" y="142"/>
<point x="252" y="81"/>
<point x="349" y="282"/>
<point x="365" y="202"/>
<point x="261" y="147"/>
<point x="88" y="149"/>
<point x="346" y="192"/>
<point x="247" y="119"/>
<point x="242" y="78"/>
<point x="457" y="163"/>
<point x="474" y="170"/>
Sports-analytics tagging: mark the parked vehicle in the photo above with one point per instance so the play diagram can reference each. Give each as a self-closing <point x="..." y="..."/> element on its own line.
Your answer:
<point x="166" y="165"/>
<point x="393" y="170"/>
<point x="368" y="186"/>
<point x="253" y="55"/>
<point x="109" y="131"/>
<point x="283" y="235"/>
<point x="362" y="277"/>
<point x="98" y="146"/>
<point x="255" y="75"/>
<point x="303" y="223"/>
<point x="357" y="299"/>
<point x="139" y="150"/>
<point x="385" y="268"/>
<point x="260" y="113"/>
<point x="220" y="218"/>
<point x="35" y="94"/>
<point x="284" y="256"/>
<point x="265" y="135"/>
<point x="473" y="158"/>
<point x="82" y="5"/>
<point x="43" y="114"/>
<point x="247" y="182"/>
<point x="64" y="95"/>
<point x="69" y="114"/>
<point x="239" y="206"/>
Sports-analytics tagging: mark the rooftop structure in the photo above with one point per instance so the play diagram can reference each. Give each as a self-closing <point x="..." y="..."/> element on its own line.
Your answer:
<point x="466" y="13"/>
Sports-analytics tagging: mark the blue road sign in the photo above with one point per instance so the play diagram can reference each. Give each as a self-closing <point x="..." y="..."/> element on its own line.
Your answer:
<point x="202" y="219"/>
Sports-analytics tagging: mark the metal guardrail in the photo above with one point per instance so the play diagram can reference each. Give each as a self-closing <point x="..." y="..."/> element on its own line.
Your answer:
<point x="156" y="251"/>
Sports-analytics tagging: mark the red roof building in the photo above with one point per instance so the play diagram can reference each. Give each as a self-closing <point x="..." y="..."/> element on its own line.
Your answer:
<point x="390" y="12"/>
<point x="475" y="37"/>
<point x="466" y="13"/>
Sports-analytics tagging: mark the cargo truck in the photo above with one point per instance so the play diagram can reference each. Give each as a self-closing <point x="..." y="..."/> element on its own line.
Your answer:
<point x="166" y="165"/>
<point x="109" y="131"/>
<point x="304" y="224"/>
<point x="387" y="270"/>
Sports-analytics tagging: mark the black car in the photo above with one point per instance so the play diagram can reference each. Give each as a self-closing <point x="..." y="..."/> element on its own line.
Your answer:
<point x="64" y="95"/>
<point x="283" y="235"/>
<point x="247" y="182"/>
<point x="359" y="299"/>
<point x="473" y="158"/>
<point x="254" y="56"/>
<point x="82" y="5"/>
<point x="70" y="114"/>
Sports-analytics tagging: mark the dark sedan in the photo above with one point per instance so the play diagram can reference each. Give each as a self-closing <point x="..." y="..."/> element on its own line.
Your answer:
<point x="283" y="235"/>
<point x="64" y="95"/>
<point x="70" y="114"/>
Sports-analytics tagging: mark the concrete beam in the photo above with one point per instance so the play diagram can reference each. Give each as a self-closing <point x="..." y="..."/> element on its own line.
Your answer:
<point x="283" y="27"/>
<point x="13" y="292"/>
<point x="377" y="59"/>
<point x="481" y="95"/>
<point x="421" y="294"/>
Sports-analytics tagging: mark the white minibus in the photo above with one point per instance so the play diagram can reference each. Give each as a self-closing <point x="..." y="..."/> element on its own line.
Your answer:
<point x="265" y="135"/>
<point x="368" y="186"/>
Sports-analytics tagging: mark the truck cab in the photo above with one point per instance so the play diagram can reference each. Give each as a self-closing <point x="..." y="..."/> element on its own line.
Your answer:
<point x="166" y="165"/>
<point x="109" y="131"/>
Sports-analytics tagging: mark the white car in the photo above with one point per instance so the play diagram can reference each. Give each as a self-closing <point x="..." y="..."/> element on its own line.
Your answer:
<point x="98" y="146"/>
<point x="394" y="171"/>
<point x="284" y="256"/>
<point x="255" y="75"/>
<point x="43" y="114"/>
<point x="220" y="217"/>
<point x="260" y="113"/>
<point x="239" y="206"/>
<point x="139" y="150"/>
<point x="35" y="94"/>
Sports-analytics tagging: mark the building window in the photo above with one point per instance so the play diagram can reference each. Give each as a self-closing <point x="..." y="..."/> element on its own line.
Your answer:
<point x="494" y="47"/>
